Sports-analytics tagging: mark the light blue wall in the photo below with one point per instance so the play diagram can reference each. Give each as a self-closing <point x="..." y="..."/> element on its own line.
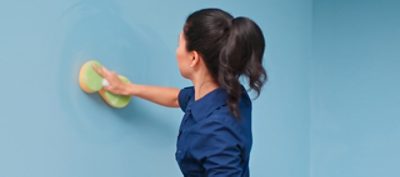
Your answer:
<point x="49" y="127"/>
<point x="329" y="109"/>
<point x="355" y="105"/>
<point x="282" y="113"/>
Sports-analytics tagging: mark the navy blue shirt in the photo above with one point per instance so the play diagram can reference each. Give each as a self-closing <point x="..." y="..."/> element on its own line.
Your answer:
<point x="211" y="142"/>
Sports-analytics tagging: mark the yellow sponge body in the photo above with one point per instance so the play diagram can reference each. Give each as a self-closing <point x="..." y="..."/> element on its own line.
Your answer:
<point x="91" y="82"/>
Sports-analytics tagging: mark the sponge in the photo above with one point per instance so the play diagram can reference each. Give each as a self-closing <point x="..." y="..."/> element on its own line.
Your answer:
<point x="91" y="82"/>
<point x="117" y="101"/>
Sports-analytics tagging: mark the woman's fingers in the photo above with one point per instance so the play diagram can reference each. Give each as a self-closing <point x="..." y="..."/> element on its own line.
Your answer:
<point x="98" y="70"/>
<point x="115" y="85"/>
<point x="106" y="72"/>
<point x="103" y="71"/>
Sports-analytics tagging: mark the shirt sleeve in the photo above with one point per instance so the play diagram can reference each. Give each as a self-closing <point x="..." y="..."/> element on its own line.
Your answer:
<point x="184" y="97"/>
<point x="218" y="148"/>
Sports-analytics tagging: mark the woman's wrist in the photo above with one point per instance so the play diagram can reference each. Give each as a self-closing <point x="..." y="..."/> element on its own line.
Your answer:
<point x="132" y="89"/>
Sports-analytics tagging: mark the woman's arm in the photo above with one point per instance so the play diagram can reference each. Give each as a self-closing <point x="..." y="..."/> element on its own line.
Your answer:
<point x="164" y="96"/>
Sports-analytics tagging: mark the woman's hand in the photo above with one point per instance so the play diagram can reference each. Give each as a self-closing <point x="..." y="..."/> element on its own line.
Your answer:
<point x="115" y="85"/>
<point x="165" y="96"/>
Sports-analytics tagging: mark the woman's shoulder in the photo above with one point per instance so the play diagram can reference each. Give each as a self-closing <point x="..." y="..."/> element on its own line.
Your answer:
<point x="185" y="95"/>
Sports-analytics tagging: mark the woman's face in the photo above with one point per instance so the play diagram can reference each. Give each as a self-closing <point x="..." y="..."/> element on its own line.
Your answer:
<point x="183" y="57"/>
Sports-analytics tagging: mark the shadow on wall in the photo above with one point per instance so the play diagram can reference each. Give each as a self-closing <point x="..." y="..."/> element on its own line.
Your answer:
<point x="95" y="30"/>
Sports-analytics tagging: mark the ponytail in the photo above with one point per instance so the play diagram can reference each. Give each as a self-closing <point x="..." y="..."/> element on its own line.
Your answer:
<point x="242" y="55"/>
<point x="231" y="48"/>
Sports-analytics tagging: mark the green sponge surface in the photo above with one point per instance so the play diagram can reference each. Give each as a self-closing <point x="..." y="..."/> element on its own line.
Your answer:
<point x="91" y="82"/>
<point x="90" y="78"/>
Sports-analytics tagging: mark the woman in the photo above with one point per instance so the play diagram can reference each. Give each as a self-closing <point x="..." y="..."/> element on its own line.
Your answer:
<point x="214" y="51"/>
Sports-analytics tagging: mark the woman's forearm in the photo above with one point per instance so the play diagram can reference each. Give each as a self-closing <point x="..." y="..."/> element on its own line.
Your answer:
<point x="165" y="96"/>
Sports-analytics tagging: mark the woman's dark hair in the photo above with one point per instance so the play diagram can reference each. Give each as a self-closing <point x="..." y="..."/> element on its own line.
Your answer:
<point x="230" y="47"/>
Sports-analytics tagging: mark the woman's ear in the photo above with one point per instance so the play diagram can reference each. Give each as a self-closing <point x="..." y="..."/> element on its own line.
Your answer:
<point x="195" y="58"/>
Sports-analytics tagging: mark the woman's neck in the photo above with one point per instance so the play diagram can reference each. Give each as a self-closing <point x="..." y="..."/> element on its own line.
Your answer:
<point x="203" y="86"/>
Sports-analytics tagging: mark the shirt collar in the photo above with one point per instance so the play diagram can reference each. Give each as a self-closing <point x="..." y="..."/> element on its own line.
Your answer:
<point x="203" y="107"/>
